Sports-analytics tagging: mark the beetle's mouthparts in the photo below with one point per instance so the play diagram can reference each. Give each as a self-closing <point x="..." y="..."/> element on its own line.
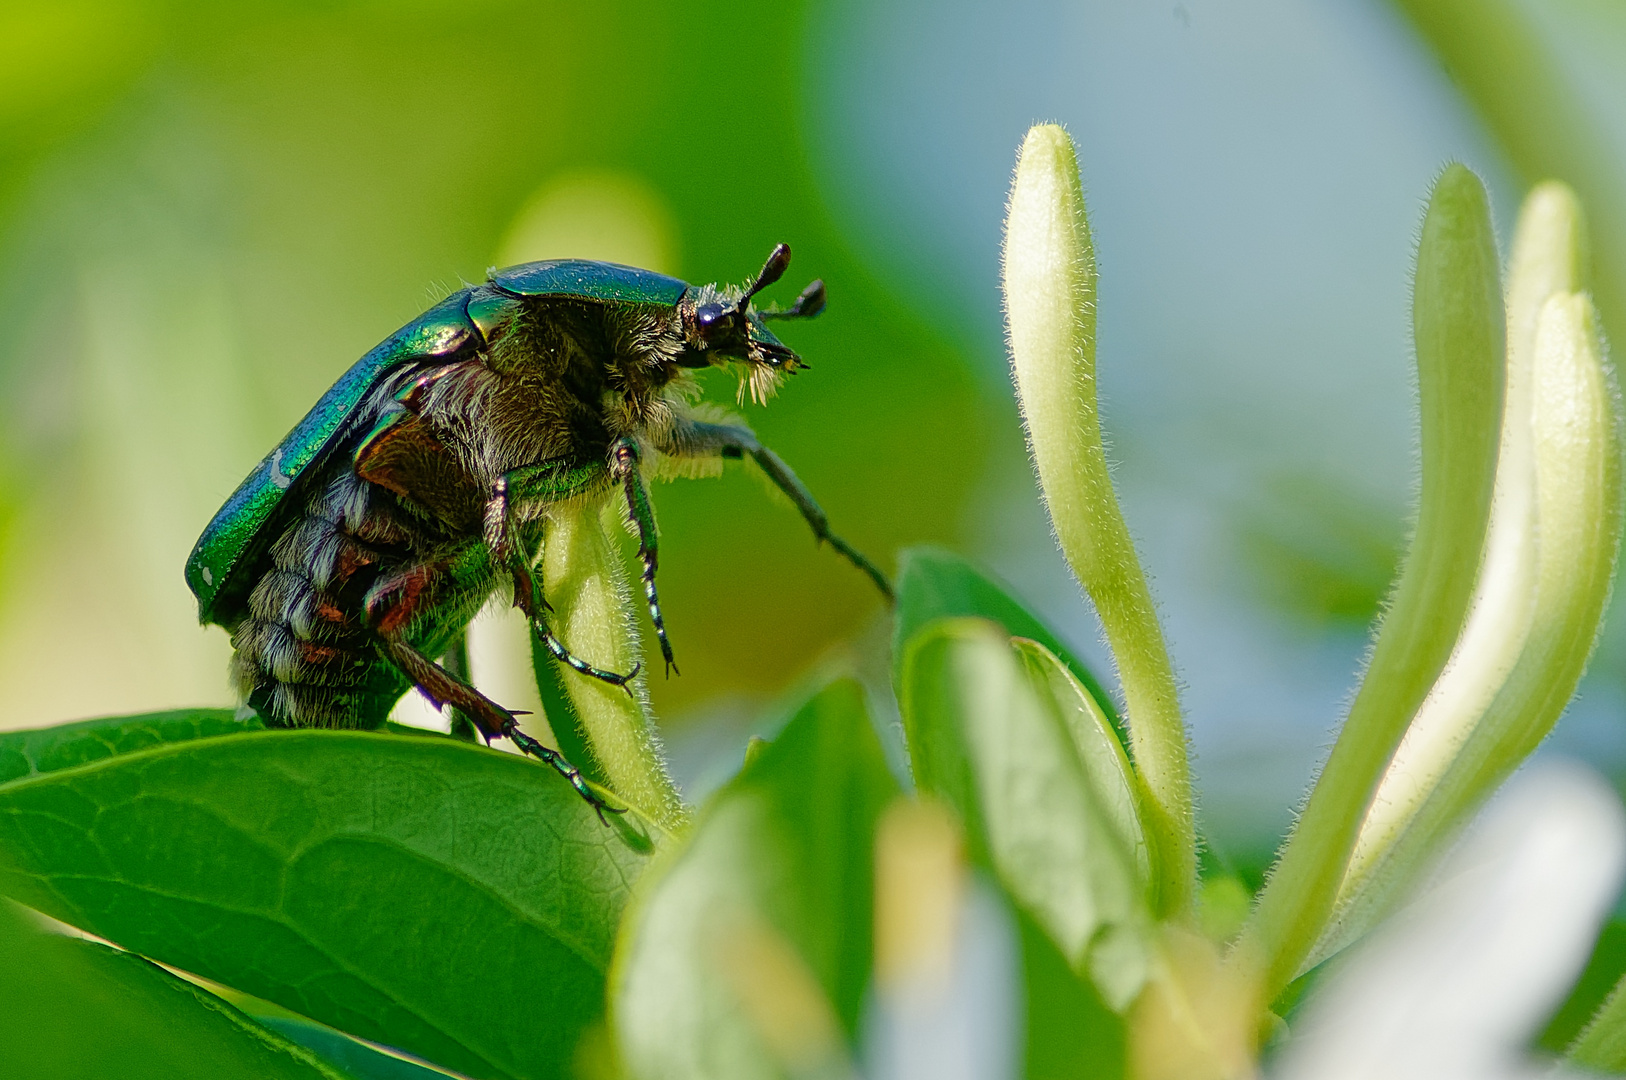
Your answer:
<point x="776" y="356"/>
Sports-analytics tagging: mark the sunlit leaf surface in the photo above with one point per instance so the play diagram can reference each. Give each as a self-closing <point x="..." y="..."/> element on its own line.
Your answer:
<point x="427" y="894"/>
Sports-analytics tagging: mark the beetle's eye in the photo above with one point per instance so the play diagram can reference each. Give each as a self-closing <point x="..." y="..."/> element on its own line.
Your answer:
<point x="710" y="315"/>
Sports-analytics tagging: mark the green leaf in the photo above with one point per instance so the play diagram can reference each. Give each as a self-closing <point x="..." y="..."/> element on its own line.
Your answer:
<point x="73" y="1008"/>
<point x="43" y="750"/>
<point x="936" y="584"/>
<point x="1070" y="1033"/>
<point x="1107" y="773"/>
<point x="754" y="942"/>
<point x="986" y="740"/>
<point x="356" y="1059"/>
<point x="453" y="901"/>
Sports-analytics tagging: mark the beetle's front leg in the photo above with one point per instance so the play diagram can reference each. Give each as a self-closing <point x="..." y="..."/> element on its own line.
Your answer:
<point x="696" y="439"/>
<point x="391" y="605"/>
<point x="510" y="554"/>
<point x="624" y="469"/>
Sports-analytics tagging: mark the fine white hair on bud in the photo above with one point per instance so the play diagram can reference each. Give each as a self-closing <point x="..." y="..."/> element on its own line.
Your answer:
<point x="1049" y="281"/>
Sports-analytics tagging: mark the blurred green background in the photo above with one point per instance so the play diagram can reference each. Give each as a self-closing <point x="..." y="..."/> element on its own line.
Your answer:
<point x="208" y="212"/>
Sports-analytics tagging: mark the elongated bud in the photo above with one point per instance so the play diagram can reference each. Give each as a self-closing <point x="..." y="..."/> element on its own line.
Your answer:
<point x="1547" y="260"/>
<point x="1049" y="277"/>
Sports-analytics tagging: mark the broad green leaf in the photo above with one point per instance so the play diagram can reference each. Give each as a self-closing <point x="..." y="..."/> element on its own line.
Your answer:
<point x="1000" y="753"/>
<point x="43" y="750"/>
<point x="355" y="1059"/>
<point x="455" y="902"/>
<point x="73" y="1008"/>
<point x="936" y="584"/>
<point x="31" y="751"/>
<point x="754" y="942"/>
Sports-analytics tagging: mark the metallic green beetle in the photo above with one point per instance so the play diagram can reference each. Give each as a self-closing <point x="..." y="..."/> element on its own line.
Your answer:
<point x="418" y="486"/>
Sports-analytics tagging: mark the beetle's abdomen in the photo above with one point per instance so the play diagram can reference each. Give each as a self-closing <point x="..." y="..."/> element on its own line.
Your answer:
<point x="304" y="655"/>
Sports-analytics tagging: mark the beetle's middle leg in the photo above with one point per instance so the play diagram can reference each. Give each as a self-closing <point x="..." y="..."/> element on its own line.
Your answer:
<point x="390" y="606"/>
<point x="510" y="554"/>
<point x="624" y="468"/>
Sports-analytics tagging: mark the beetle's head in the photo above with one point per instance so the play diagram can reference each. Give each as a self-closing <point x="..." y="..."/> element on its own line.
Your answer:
<point x="721" y="327"/>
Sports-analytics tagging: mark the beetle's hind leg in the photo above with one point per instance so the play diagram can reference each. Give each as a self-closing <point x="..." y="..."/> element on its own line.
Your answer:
<point x="391" y="606"/>
<point x="508" y="553"/>
<point x="439" y="686"/>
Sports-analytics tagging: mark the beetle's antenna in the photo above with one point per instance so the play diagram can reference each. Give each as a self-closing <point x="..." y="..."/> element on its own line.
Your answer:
<point x="772" y="271"/>
<point x="807" y="305"/>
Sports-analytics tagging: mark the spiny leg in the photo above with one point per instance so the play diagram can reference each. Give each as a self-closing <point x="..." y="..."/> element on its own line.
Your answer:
<point x="438" y="685"/>
<point x="508" y="553"/>
<point x="392" y="605"/>
<point x="624" y="467"/>
<point x="694" y="438"/>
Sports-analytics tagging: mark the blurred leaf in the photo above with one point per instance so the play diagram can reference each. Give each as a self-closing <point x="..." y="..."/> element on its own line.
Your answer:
<point x="936" y="584"/>
<point x="418" y="892"/>
<point x="1071" y="1034"/>
<point x="356" y="1059"/>
<point x="753" y="945"/>
<point x="74" y="1008"/>
<point x="43" y="750"/>
<point x="984" y="740"/>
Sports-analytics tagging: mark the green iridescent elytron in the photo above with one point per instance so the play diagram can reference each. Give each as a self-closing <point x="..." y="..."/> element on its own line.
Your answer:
<point x="358" y="550"/>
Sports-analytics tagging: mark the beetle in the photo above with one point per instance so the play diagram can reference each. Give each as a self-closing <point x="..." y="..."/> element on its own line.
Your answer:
<point x="418" y="486"/>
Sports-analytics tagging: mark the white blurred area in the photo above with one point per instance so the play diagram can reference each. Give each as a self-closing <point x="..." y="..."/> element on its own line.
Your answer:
<point x="946" y="1000"/>
<point x="1455" y="986"/>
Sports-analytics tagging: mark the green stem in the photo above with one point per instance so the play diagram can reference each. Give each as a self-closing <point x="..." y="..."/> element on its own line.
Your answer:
<point x="1458" y="327"/>
<point x="1049" y="279"/>
<point x="585" y="582"/>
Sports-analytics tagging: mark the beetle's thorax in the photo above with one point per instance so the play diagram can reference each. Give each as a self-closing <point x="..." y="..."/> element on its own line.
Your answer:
<point x="560" y="380"/>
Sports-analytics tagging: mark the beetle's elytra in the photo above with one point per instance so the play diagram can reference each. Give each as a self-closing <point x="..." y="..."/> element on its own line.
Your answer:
<point x="359" y="549"/>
